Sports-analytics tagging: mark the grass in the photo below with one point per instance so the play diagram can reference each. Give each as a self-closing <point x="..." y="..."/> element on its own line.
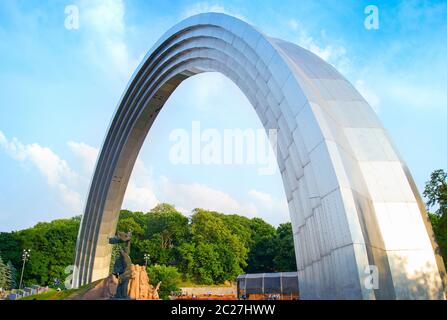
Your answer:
<point x="77" y="293"/>
<point x="67" y="294"/>
<point x="51" y="294"/>
<point x="189" y="284"/>
<point x="70" y="294"/>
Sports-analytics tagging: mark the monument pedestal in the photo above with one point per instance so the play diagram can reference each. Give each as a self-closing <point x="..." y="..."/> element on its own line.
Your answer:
<point x="139" y="285"/>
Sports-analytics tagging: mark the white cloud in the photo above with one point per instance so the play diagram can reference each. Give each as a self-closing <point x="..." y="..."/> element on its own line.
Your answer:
<point x="104" y="27"/>
<point x="196" y="195"/>
<point x="335" y="55"/>
<point x="274" y="209"/>
<point x="143" y="191"/>
<point x="293" y="24"/>
<point x="69" y="184"/>
<point x="204" y="92"/>
<point x="139" y="193"/>
<point x="203" y="7"/>
<point x="265" y="198"/>
<point x="56" y="171"/>
<point x="72" y="198"/>
<point x="87" y="154"/>
<point x="415" y="95"/>
<point x="139" y="198"/>
<point x="404" y="89"/>
<point x="105" y="16"/>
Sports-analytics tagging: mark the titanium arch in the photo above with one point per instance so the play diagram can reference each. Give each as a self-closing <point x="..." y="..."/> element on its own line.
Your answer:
<point x="349" y="193"/>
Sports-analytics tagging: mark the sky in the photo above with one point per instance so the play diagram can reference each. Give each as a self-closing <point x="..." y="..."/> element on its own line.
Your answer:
<point x="59" y="88"/>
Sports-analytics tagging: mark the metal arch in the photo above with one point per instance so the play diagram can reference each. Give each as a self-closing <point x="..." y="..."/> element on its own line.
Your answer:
<point x="352" y="201"/>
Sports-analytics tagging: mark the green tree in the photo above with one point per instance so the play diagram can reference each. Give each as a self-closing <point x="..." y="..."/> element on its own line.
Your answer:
<point x="4" y="281"/>
<point x="227" y="255"/>
<point x="185" y="255"/>
<point x="114" y="255"/>
<point x="207" y="267"/>
<point x="439" y="225"/>
<point x="285" y="253"/>
<point x="165" y="229"/>
<point x="134" y="222"/>
<point x="11" y="275"/>
<point x="436" y="194"/>
<point x="10" y="246"/>
<point x="171" y="225"/>
<point x="208" y="248"/>
<point x="169" y="278"/>
<point x="261" y="251"/>
<point x="126" y="224"/>
<point x="240" y="226"/>
<point x="156" y="233"/>
<point x="52" y="249"/>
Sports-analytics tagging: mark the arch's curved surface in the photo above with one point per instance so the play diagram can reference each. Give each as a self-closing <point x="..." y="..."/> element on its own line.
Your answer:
<point x="351" y="199"/>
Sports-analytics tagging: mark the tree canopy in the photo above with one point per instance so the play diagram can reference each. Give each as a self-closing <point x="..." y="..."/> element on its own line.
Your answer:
<point x="169" y="278"/>
<point x="206" y="248"/>
<point x="436" y="195"/>
<point x="52" y="249"/>
<point x="436" y="192"/>
<point x="7" y="275"/>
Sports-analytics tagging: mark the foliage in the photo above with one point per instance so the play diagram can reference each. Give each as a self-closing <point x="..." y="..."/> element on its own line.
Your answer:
<point x="155" y="233"/>
<point x="11" y="275"/>
<point x="436" y="194"/>
<point x="51" y="294"/>
<point x="262" y="249"/>
<point x="208" y="248"/>
<point x="285" y="253"/>
<point x="439" y="225"/>
<point x="52" y="249"/>
<point x="7" y="275"/>
<point x="169" y="278"/>
<point x="167" y="228"/>
<point x="115" y="254"/>
<point x="219" y="253"/>
<point x="3" y="275"/>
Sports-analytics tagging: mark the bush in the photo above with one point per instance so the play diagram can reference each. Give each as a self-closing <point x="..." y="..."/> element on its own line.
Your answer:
<point x="169" y="277"/>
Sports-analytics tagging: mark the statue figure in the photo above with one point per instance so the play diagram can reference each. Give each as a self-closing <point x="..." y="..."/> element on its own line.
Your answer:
<point x="145" y="287"/>
<point x="133" y="281"/>
<point x="109" y="287"/>
<point x="155" y="295"/>
<point x="122" y="268"/>
<point x="134" y="284"/>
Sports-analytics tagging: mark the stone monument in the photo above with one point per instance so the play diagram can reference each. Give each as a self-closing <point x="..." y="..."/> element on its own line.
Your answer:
<point x="128" y="281"/>
<point x="347" y="187"/>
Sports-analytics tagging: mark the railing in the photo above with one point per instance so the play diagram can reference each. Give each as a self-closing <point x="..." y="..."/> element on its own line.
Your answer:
<point x="16" y="294"/>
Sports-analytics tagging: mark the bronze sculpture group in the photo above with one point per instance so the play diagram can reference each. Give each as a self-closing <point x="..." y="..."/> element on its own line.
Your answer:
<point x="133" y="281"/>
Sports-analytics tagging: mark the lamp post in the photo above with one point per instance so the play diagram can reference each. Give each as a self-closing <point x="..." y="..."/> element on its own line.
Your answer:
<point x="25" y="257"/>
<point x="146" y="259"/>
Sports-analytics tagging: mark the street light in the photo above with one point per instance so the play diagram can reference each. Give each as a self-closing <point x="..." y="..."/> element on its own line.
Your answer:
<point x="25" y="257"/>
<point x="146" y="259"/>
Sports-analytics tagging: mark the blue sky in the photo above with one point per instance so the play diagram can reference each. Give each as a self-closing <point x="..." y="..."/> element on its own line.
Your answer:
<point x="59" y="89"/>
